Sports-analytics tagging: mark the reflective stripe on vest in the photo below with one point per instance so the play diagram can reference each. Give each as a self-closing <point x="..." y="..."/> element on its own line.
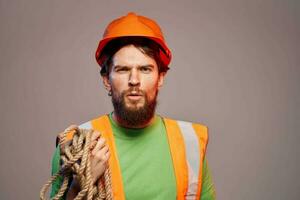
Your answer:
<point x="187" y="142"/>
<point x="202" y="135"/>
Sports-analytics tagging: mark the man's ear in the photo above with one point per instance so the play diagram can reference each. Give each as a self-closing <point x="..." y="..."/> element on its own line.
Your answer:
<point x="161" y="77"/>
<point x="106" y="82"/>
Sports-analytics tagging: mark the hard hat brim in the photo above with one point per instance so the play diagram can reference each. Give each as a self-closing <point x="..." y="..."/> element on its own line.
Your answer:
<point x="165" y="53"/>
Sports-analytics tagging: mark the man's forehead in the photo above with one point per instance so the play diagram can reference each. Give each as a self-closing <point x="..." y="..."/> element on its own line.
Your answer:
<point x="132" y="56"/>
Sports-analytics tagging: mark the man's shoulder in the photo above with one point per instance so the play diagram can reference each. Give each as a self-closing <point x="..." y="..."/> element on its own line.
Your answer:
<point x="88" y="124"/>
<point x="190" y="131"/>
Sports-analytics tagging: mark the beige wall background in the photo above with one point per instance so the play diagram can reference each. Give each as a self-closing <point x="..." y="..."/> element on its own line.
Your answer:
<point x="235" y="68"/>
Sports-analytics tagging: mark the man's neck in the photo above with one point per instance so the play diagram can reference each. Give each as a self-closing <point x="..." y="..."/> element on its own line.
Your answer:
<point x="123" y="123"/>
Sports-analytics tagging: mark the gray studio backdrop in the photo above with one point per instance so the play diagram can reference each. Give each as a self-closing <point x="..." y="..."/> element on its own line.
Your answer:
<point x="235" y="68"/>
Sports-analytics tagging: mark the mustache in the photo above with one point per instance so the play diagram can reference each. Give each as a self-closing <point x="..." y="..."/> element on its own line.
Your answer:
<point x="134" y="90"/>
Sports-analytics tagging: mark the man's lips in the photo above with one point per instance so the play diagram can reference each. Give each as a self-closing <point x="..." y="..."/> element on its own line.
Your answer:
<point x="134" y="96"/>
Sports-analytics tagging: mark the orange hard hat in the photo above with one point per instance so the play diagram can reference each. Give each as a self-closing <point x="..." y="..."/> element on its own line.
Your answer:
<point x="134" y="25"/>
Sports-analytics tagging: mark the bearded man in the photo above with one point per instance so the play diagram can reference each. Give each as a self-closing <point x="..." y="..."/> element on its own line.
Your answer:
<point x="153" y="157"/>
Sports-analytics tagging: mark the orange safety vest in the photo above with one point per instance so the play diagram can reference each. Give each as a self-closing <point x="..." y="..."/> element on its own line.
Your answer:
<point x="187" y="142"/>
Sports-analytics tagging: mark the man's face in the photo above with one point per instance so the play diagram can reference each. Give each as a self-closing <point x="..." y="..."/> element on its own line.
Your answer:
<point x="134" y="81"/>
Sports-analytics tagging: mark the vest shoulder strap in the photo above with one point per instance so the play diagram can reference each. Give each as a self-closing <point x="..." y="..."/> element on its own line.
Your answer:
<point x="102" y="124"/>
<point x="188" y="142"/>
<point x="177" y="148"/>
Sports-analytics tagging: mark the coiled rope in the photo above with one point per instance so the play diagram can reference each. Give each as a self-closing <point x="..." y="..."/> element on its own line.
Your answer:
<point x="75" y="158"/>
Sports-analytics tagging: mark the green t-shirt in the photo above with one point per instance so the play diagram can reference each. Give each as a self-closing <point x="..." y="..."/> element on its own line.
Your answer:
<point x="145" y="161"/>
<point x="146" y="164"/>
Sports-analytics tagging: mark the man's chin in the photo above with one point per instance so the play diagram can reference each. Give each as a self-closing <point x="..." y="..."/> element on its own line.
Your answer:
<point x="134" y="105"/>
<point x="134" y="108"/>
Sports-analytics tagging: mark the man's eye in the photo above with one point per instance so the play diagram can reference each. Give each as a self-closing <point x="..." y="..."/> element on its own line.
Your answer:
<point x="122" y="69"/>
<point x="145" y="69"/>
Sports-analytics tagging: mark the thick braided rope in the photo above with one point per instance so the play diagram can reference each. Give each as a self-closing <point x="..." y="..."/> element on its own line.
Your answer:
<point x="75" y="157"/>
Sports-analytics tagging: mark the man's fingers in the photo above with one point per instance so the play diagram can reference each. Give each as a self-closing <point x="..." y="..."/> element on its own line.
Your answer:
<point x="94" y="139"/>
<point x="107" y="155"/>
<point x="99" y="159"/>
<point x="71" y="127"/>
<point x="99" y="145"/>
<point x="101" y="155"/>
<point x="95" y="135"/>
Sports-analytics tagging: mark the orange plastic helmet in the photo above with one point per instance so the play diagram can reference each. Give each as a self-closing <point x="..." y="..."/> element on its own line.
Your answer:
<point x="134" y="25"/>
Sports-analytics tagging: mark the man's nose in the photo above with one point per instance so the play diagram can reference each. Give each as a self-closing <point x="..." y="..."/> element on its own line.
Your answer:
<point x="134" y="79"/>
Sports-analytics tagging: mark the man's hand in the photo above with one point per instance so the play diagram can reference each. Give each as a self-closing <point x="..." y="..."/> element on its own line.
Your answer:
<point x="99" y="156"/>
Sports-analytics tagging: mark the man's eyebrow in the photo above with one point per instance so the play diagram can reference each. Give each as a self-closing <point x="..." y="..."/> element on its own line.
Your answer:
<point x="150" y="65"/>
<point x="122" y="66"/>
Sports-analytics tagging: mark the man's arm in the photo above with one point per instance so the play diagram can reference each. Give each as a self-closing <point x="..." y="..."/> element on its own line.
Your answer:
<point x="208" y="189"/>
<point x="55" y="168"/>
